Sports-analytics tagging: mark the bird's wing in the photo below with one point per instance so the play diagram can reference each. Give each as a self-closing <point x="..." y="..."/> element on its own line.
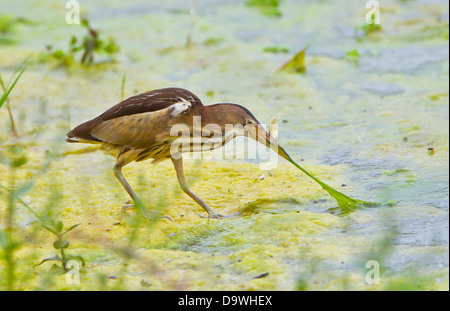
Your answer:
<point x="139" y="130"/>
<point x="138" y="120"/>
<point x="150" y="101"/>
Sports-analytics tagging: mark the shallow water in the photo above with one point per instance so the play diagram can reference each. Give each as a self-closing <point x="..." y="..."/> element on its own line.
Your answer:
<point x="365" y="127"/>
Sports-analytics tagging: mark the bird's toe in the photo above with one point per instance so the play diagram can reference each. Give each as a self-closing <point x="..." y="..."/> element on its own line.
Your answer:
<point x="126" y="207"/>
<point x="219" y="216"/>
<point x="153" y="215"/>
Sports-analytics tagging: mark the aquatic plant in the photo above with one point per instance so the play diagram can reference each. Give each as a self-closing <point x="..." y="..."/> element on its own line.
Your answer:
<point x="60" y="244"/>
<point x="296" y="63"/>
<point x="276" y="49"/>
<point x="371" y="27"/>
<point x="345" y="202"/>
<point x="15" y="156"/>
<point x="8" y="243"/>
<point x="367" y="29"/>
<point x="317" y="249"/>
<point x="90" y="45"/>
<point x="266" y="7"/>
<point x="353" y="56"/>
<point x="8" y="25"/>
<point x="55" y="227"/>
<point x="8" y="106"/>
<point x="213" y="41"/>
<point x="7" y="88"/>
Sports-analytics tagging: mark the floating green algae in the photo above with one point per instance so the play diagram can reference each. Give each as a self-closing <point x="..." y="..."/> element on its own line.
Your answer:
<point x="334" y="115"/>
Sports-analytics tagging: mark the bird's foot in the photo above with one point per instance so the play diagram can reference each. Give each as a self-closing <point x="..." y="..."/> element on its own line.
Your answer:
<point x="149" y="214"/>
<point x="126" y="207"/>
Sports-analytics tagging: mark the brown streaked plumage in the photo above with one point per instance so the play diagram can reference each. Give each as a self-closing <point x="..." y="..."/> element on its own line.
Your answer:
<point x="139" y="128"/>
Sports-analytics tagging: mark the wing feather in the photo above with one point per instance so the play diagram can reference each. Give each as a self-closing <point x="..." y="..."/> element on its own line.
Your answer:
<point x="138" y="120"/>
<point x="136" y="131"/>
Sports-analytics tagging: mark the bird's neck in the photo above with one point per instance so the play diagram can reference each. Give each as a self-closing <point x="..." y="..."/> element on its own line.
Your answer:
<point x="214" y="114"/>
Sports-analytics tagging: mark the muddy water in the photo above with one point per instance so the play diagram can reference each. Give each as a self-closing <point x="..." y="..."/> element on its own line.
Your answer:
<point x="375" y="128"/>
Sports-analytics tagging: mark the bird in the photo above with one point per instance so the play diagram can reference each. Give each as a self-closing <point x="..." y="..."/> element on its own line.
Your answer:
<point x="148" y="126"/>
<point x="165" y="123"/>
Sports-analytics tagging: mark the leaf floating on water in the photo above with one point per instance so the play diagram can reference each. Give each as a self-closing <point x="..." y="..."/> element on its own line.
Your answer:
<point x="213" y="41"/>
<point x="276" y="49"/>
<point x="297" y="63"/>
<point x="353" y="56"/>
<point x="266" y="7"/>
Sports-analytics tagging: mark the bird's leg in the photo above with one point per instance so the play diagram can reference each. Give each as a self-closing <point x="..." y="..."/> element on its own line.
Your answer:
<point x="118" y="173"/>
<point x="178" y="164"/>
<point x="137" y="203"/>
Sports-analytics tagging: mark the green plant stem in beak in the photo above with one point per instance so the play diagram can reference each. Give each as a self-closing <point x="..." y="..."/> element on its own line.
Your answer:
<point x="345" y="202"/>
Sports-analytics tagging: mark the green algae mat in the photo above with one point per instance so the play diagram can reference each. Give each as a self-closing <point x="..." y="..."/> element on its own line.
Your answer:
<point x="364" y="115"/>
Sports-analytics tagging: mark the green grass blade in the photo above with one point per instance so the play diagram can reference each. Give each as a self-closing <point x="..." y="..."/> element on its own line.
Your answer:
<point x="6" y="94"/>
<point x="42" y="220"/>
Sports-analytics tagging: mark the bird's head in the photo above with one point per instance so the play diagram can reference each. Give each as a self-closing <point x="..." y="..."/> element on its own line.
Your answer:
<point x="244" y="123"/>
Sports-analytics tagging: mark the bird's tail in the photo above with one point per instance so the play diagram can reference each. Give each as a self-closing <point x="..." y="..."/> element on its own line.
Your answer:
<point x="85" y="140"/>
<point x="73" y="140"/>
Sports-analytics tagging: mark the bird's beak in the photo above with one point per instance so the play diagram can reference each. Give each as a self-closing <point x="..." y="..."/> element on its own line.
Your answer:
<point x="258" y="133"/>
